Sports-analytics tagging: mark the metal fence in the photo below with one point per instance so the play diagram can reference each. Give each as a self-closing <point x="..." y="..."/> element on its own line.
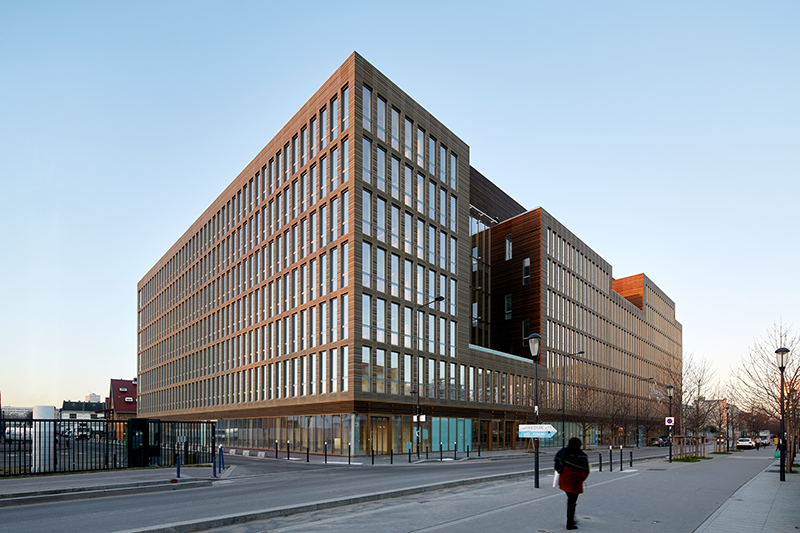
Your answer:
<point x="52" y="446"/>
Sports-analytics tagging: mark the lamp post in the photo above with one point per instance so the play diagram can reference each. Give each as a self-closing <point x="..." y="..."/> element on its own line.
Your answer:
<point x="534" y="342"/>
<point x="564" y="395"/>
<point x="727" y="428"/>
<point x="783" y="358"/>
<point x="418" y="392"/>
<point x="670" y="389"/>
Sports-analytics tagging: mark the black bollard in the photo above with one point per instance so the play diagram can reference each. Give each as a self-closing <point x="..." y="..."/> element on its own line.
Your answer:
<point x="348" y="453"/>
<point x="288" y="449"/>
<point x="467" y="452"/>
<point x="479" y="449"/>
<point x="276" y="449"/>
<point x="213" y="466"/>
<point x="631" y="458"/>
<point x="455" y="451"/>
<point x="621" y="460"/>
<point x="600" y="455"/>
<point x="372" y="452"/>
<point x="610" y="459"/>
<point x="391" y="456"/>
<point x="308" y="456"/>
<point x="409" y="454"/>
<point x="441" y="457"/>
<point x="326" y="453"/>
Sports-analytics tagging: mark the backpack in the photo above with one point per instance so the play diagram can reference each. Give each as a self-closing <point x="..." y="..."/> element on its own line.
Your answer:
<point x="559" y="462"/>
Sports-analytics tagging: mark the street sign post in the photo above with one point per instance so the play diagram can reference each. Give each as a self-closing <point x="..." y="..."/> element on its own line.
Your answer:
<point x="536" y="431"/>
<point x="670" y="421"/>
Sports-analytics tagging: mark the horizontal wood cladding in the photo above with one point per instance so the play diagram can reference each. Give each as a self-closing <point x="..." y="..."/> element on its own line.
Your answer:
<point x="632" y="289"/>
<point x="525" y="232"/>
<point x="490" y="199"/>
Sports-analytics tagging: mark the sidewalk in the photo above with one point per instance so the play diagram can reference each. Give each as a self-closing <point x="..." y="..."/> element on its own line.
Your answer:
<point x="763" y="504"/>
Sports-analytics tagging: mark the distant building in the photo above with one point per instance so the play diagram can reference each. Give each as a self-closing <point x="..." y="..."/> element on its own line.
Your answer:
<point x="17" y="412"/>
<point x="122" y="399"/>
<point x="92" y="397"/>
<point x="82" y="410"/>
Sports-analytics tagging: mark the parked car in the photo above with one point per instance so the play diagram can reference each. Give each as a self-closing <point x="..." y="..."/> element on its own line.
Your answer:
<point x="764" y="441"/>
<point x="745" y="443"/>
<point x="657" y="441"/>
<point x="83" y="433"/>
<point x="17" y="433"/>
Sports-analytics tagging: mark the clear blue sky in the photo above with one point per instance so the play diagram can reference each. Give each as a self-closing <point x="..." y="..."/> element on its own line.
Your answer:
<point x="665" y="135"/>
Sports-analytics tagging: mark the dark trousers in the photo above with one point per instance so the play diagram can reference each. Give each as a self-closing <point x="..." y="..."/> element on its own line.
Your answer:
<point x="572" y="501"/>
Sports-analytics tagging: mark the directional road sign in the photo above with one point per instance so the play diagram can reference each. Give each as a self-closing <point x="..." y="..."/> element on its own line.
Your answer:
<point x="536" y="431"/>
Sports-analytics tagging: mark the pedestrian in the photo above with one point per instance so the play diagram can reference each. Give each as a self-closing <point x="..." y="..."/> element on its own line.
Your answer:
<point x="758" y="444"/>
<point x="573" y="468"/>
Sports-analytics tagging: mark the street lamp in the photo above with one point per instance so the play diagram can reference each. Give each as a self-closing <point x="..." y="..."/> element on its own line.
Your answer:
<point x="419" y="370"/>
<point x="670" y="389"/>
<point x="727" y="428"/>
<point x="783" y="359"/>
<point x="564" y="395"/>
<point x="534" y="342"/>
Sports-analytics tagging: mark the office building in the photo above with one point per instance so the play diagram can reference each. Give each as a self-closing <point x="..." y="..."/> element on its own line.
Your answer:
<point x="329" y="289"/>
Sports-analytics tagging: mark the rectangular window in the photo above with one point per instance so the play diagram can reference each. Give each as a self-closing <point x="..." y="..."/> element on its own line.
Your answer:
<point x="453" y="254"/>
<point x="380" y="269"/>
<point x="312" y="279"/>
<point x="312" y="134"/>
<point x="442" y="163"/>
<point x="526" y="270"/>
<point x="366" y="108"/>
<point x="420" y="285"/>
<point x="395" y="178"/>
<point x="286" y="165"/>
<point x="442" y="250"/>
<point x="420" y="147"/>
<point x="442" y="336"/>
<point x="407" y="339"/>
<point x="453" y="297"/>
<point x="345" y="109"/>
<point x="432" y="200"/>
<point x="381" y="169"/>
<point x="323" y="177"/>
<point x="345" y="212"/>
<point x="323" y="226"/>
<point x="366" y="374"/>
<point x="366" y="161"/>
<point x="344" y="159"/>
<point x="334" y="269"/>
<point x="394" y="275"/>
<point x="407" y="275"/>
<point x="395" y="129"/>
<point x="420" y="239"/>
<point x="380" y="320"/>
<point x="431" y="333"/>
<point x="508" y="306"/>
<point x="443" y="208"/>
<point x="334" y="219"/>
<point x="312" y="327"/>
<point x="431" y="156"/>
<point x="453" y="171"/>
<point x="453" y="339"/>
<point x="380" y="370"/>
<point x="381" y="119"/>
<point x="334" y="119"/>
<point x="394" y="228"/>
<point x="366" y="264"/>
<point x="323" y="129"/>
<point x="407" y="139"/>
<point x="380" y="222"/>
<point x="432" y="245"/>
<point x="323" y="275"/>
<point x="508" y="247"/>
<point x="408" y="185"/>
<point x="344" y="316"/>
<point x="421" y="193"/>
<point x="345" y="270"/>
<point x="453" y="213"/>
<point x="312" y="186"/>
<point x="394" y="323"/>
<point x="334" y="168"/>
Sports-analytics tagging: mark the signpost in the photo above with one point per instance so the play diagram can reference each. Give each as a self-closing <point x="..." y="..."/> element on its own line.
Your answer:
<point x="536" y="431"/>
<point x="670" y="421"/>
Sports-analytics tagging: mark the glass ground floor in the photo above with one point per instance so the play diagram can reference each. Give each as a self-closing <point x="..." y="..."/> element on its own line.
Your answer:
<point x="365" y="433"/>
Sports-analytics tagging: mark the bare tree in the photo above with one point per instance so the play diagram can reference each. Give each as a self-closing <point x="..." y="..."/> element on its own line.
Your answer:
<point x="758" y="378"/>
<point x="698" y="378"/>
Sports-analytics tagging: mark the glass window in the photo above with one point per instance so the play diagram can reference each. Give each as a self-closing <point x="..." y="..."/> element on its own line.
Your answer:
<point x="526" y="270"/>
<point x="508" y="306"/>
<point x="420" y="285"/>
<point x="345" y="251"/>
<point x="380" y="370"/>
<point x="432" y="200"/>
<point x="366" y="374"/>
<point x="408" y="189"/>
<point x="380" y="222"/>
<point x="366" y="108"/>
<point x="312" y="135"/>
<point x="407" y="327"/>
<point x="431" y="156"/>
<point x="345" y="167"/>
<point x="380" y="269"/>
<point x="334" y="118"/>
<point x="407" y="139"/>
<point x="442" y="250"/>
<point x="453" y="297"/>
<point x="394" y="323"/>
<point x="395" y="178"/>
<point x="453" y="171"/>
<point x="334" y="168"/>
<point x="453" y="254"/>
<point x="432" y="245"/>
<point x="381" y="119"/>
<point x="408" y="229"/>
<point x="394" y="274"/>
<point x="366" y="213"/>
<point x="442" y="163"/>
<point x="345" y="109"/>
<point x="453" y="213"/>
<point x="420" y="147"/>
<point x="508" y="247"/>
<point x="381" y="169"/>
<point x="323" y="128"/>
<point x="366" y="160"/>
<point x="345" y="212"/>
<point x="380" y="320"/>
<point x="420" y="239"/>
<point x="395" y="129"/>
<point x="394" y="228"/>
<point x="443" y="207"/>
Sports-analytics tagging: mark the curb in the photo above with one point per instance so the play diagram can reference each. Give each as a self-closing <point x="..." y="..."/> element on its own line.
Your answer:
<point x="58" y="495"/>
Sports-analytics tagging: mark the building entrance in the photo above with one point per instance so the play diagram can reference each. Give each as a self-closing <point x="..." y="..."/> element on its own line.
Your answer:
<point x="379" y="434"/>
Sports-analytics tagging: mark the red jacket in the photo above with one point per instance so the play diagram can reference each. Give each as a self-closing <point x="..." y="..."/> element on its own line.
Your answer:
<point x="574" y="472"/>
